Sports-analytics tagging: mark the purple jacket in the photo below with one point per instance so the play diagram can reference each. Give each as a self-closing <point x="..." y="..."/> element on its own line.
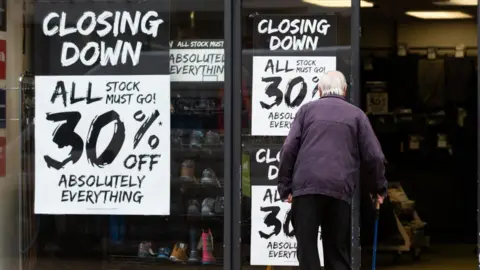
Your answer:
<point x="327" y="142"/>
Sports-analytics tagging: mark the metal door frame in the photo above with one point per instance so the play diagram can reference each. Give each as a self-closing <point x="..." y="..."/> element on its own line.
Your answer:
<point x="478" y="136"/>
<point x="355" y="34"/>
<point x="233" y="128"/>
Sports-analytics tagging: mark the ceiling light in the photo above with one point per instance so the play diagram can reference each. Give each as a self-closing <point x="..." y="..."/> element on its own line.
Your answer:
<point x="438" y="15"/>
<point x="456" y="3"/>
<point x="337" y="3"/>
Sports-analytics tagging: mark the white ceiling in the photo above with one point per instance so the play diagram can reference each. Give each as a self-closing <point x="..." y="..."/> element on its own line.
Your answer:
<point x="388" y="8"/>
<point x="396" y="8"/>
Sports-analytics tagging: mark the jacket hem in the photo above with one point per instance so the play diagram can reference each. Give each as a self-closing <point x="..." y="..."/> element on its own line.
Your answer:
<point x="316" y="191"/>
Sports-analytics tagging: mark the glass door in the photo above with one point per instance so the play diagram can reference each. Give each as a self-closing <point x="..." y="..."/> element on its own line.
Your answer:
<point x="286" y="46"/>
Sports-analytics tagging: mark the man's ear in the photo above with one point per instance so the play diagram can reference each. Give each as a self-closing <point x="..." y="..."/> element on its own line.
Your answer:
<point x="319" y="91"/>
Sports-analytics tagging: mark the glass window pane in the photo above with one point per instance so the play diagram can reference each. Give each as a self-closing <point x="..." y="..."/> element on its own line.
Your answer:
<point x="281" y="66"/>
<point x="144" y="183"/>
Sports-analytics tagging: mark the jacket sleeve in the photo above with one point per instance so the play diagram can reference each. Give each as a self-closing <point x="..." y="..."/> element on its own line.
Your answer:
<point x="288" y="155"/>
<point x="372" y="157"/>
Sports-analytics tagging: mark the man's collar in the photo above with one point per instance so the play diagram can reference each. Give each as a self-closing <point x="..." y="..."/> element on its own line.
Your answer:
<point x="333" y="96"/>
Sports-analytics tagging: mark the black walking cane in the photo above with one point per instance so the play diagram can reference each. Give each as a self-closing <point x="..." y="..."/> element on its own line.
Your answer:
<point x="376" y="204"/>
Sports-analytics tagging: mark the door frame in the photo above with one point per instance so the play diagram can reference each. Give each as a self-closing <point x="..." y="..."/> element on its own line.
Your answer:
<point x="478" y="137"/>
<point x="233" y="138"/>
<point x="355" y="35"/>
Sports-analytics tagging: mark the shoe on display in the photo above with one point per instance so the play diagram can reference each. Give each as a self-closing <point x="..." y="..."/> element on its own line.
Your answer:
<point x="207" y="207"/>
<point x="193" y="208"/>
<point x="179" y="253"/>
<point x="212" y="138"/>
<point x="187" y="171"/>
<point x="207" y="248"/>
<point x="219" y="206"/>
<point x="145" y="250"/>
<point x="202" y="104"/>
<point x="209" y="178"/>
<point x="193" y="255"/>
<point x="196" y="139"/>
<point x="182" y="104"/>
<point x="164" y="253"/>
<point x="176" y="137"/>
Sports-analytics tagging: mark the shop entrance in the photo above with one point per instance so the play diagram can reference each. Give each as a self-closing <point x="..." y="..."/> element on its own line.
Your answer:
<point x="419" y="87"/>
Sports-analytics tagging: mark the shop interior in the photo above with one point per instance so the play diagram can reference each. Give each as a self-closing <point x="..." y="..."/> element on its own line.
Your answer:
<point x="419" y="87"/>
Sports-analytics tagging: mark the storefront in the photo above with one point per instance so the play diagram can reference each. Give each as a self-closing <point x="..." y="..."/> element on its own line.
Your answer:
<point x="158" y="125"/>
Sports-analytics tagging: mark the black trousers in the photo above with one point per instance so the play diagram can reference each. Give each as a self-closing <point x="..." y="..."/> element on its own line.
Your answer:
<point x="333" y="215"/>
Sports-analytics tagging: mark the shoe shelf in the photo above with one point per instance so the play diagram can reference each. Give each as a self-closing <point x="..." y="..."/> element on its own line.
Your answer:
<point x="204" y="221"/>
<point x="192" y="218"/>
<point x="198" y="248"/>
<point x="187" y="152"/>
<point x="153" y="262"/>
<point x="193" y="188"/>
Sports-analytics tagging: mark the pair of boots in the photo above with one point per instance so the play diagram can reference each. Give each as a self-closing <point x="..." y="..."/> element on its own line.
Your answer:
<point x="205" y="244"/>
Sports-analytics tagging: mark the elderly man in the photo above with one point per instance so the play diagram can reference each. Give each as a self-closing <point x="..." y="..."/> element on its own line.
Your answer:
<point x="319" y="168"/>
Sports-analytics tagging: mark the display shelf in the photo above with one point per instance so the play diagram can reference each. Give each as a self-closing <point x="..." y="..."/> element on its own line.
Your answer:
<point x="186" y="151"/>
<point x="191" y="189"/>
<point x="196" y="184"/>
<point x="120" y="260"/>
<point x="192" y="217"/>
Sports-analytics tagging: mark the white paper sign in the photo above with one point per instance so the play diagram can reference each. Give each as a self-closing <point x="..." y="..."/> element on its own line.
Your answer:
<point x="197" y="61"/>
<point x="274" y="244"/>
<point x="281" y="84"/>
<point x="102" y="145"/>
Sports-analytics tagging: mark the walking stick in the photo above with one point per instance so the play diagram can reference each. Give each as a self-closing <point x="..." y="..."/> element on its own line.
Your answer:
<point x="375" y="234"/>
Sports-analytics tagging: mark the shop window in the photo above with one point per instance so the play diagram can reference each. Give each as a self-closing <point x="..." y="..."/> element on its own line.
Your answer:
<point x="126" y="155"/>
<point x="280" y="69"/>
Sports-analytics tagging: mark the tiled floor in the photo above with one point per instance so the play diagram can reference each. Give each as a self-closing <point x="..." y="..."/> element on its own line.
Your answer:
<point x="458" y="257"/>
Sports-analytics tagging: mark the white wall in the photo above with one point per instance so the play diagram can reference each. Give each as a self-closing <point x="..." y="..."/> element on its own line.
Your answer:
<point x="9" y="225"/>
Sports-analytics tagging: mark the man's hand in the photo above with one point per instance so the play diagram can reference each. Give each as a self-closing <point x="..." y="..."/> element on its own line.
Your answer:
<point x="379" y="199"/>
<point x="289" y="199"/>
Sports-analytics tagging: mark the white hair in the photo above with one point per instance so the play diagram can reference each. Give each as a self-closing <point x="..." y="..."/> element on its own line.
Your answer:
<point x="332" y="83"/>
